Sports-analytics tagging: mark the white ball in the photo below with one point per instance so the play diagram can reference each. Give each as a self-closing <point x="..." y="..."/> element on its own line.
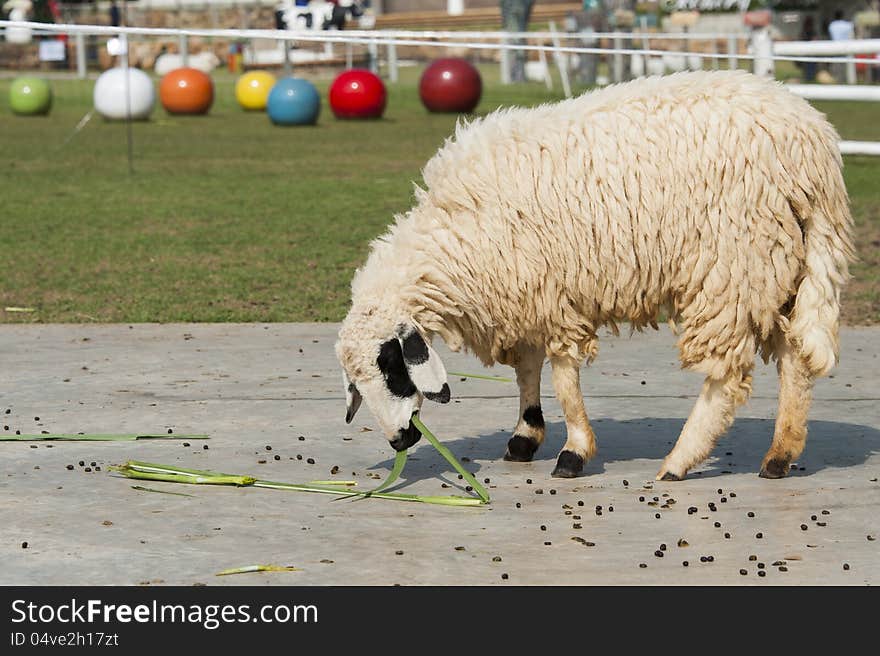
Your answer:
<point x="110" y="94"/>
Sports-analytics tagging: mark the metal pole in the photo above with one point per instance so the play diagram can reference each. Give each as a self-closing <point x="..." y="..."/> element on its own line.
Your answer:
<point x="288" y="67"/>
<point x="732" y="51"/>
<point x="851" y="70"/>
<point x="505" y="64"/>
<point x="183" y="46"/>
<point x="392" y="63"/>
<point x="561" y="64"/>
<point x="617" y="59"/>
<point x="80" y="41"/>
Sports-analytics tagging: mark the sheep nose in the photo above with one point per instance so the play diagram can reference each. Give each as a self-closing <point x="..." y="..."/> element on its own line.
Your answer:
<point x="405" y="438"/>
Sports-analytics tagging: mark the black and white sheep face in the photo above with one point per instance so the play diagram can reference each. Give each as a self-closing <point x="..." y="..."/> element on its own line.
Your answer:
<point x="405" y="371"/>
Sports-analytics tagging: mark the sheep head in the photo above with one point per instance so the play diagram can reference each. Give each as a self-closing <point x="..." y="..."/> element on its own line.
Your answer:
<point x="390" y="366"/>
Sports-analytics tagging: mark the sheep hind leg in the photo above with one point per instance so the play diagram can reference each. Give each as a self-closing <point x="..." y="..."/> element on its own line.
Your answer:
<point x="580" y="444"/>
<point x="795" y="396"/>
<point x="712" y="415"/>
<point x="529" y="432"/>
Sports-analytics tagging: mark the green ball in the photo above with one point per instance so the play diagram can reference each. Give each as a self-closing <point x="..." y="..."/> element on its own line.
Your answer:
<point x="29" y="96"/>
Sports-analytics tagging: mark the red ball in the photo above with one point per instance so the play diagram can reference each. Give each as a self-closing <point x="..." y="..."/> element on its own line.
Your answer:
<point x="357" y="94"/>
<point x="450" y="85"/>
<point x="186" y="91"/>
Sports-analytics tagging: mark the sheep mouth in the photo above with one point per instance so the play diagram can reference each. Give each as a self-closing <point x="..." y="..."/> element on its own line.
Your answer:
<point x="406" y="437"/>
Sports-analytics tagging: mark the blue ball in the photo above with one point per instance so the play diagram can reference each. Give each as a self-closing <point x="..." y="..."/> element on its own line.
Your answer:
<point x="293" y="101"/>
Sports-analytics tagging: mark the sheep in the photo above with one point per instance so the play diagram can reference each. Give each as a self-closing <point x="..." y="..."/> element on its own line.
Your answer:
<point x="713" y="198"/>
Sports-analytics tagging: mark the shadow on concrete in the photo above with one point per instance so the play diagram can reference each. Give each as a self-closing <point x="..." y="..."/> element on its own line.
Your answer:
<point x="829" y="444"/>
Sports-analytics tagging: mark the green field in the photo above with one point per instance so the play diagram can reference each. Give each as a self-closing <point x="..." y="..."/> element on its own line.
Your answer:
<point x="227" y="218"/>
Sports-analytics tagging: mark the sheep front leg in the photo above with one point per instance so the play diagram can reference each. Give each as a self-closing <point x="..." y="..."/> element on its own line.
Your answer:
<point x="529" y="432"/>
<point x="580" y="444"/>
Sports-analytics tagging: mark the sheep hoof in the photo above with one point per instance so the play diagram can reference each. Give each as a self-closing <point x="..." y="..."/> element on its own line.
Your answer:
<point x="521" y="449"/>
<point x="775" y="468"/>
<point x="568" y="465"/>
<point x="669" y="476"/>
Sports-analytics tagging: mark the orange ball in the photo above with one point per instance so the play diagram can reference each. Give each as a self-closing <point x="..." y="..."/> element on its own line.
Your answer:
<point x="186" y="91"/>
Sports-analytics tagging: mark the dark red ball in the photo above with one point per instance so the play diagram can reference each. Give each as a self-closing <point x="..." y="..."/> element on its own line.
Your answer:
<point x="450" y="85"/>
<point x="357" y="94"/>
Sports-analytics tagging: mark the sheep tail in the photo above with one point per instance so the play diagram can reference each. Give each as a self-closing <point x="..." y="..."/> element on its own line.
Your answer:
<point x="815" y="317"/>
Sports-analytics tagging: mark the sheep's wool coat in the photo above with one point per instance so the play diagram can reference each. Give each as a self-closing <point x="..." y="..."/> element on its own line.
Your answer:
<point x="714" y="197"/>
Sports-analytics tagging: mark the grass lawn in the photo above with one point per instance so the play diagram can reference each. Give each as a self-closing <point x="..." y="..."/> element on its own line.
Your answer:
<point x="228" y="218"/>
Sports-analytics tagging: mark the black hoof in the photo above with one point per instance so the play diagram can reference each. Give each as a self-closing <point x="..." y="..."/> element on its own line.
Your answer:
<point x="669" y="476"/>
<point x="521" y="449"/>
<point x="775" y="468"/>
<point x="568" y="465"/>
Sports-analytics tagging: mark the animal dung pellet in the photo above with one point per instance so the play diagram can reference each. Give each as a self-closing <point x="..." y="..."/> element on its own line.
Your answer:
<point x="723" y="499"/>
<point x="778" y="563"/>
<point x="753" y="558"/>
<point x="813" y="518"/>
<point x="311" y="461"/>
<point x="846" y="566"/>
<point x="625" y="482"/>
<point x="783" y="568"/>
<point x="761" y="565"/>
<point x="732" y="495"/>
<point x="88" y="469"/>
<point x="334" y="469"/>
<point x="704" y="559"/>
<point x="170" y="431"/>
<point x="261" y="462"/>
<point x="460" y="548"/>
<point x="70" y="466"/>
<point x="504" y="577"/>
<point x="658" y="553"/>
<point x="643" y="565"/>
<point x="871" y="538"/>
<point x="539" y="491"/>
<point x="576" y="526"/>
<point x="548" y="543"/>
<point x="299" y="456"/>
<point x="759" y="535"/>
<point x="683" y="543"/>
<point x="552" y="491"/>
<point x="580" y="503"/>
<point x="684" y="563"/>
<point x="82" y="463"/>
<point x="301" y="438"/>
<point x="663" y="546"/>
<point x="518" y="504"/>
<point x="826" y="512"/>
<point x="610" y="508"/>
<point x="24" y="545"/>
<point x="528" y="481"/>
<point x="543" y="527"/>
<point x="496" y="559"/>
<point x="277" y="457"/>
<point x="762" y="573"/>
<point x="717" y="524"/>
<point x="692" y="510"/>
<point x="486" y="480"/>
<point x="656" y="515"/>
<point x="398" y="553"/>
<point x="186" y="444"/>
<point x="727" y="536"/>
<point x="268" y="447"/>
<point x="750" y="514"/>
<point x="743" y="572"/>
<point x="205" y="447"/>
<point x="803" y="527"/>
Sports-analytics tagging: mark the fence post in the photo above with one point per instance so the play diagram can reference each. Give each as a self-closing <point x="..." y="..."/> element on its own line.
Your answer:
<point x="505" y="63"/>
<point x="183" y="43"/>
<point x="732" y="52"/>
<point x="392" y="63"/>
<point x="80" y="40"/>
<point x="762" y="48"/>
<point x="617" y="59"/>
<point x="851" y="70"/>
<point x="288" y="67"/>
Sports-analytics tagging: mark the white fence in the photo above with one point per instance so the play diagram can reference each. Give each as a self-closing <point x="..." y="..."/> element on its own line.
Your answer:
<point x="762" y="51"/>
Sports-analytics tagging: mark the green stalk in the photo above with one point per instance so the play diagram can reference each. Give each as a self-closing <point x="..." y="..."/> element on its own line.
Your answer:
<point x="97" y="437"/>
<point x="257" y="568"/>
<point x="497" y="379"/>
<point x="446" y="453"/>
<point x="149" y="489"/>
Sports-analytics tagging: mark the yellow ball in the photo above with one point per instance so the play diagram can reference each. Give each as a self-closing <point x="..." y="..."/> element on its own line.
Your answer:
<point x="252" y="89"/>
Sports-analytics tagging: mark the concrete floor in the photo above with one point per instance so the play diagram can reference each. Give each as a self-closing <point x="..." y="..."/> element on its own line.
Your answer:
<point x="250" y="386"/>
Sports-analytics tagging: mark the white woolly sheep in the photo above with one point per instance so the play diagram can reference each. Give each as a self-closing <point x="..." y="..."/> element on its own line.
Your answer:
<point x="714" y="197"/>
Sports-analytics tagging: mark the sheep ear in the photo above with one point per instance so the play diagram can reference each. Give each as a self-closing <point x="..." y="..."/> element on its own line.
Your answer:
<point x="352" y="398"/>
<point x="423" y="365"/>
